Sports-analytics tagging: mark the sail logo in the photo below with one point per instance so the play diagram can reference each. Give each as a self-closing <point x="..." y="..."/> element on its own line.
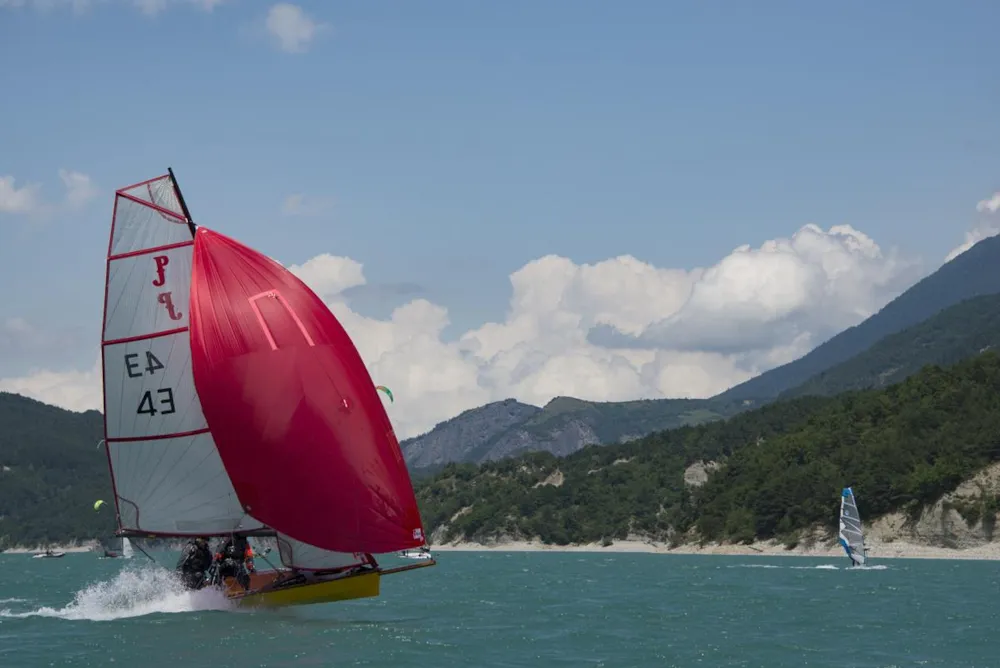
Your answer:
<point x="165" y="298"/>
<point x="161" y="270"/>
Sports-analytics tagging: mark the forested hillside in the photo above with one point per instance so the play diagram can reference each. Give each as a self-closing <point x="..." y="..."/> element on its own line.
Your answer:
<point x="51" y="472"/>
<point x="954" y="334"/>
<point x="783" y="467"/>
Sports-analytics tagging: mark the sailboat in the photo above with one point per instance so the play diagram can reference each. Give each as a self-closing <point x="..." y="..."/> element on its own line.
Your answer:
<point x="236" y="403"/>
<point x="851" y="537"/>
<point x="48" y="554"/>
<point x="124" y="553"/>
<point x="422" y="553"/>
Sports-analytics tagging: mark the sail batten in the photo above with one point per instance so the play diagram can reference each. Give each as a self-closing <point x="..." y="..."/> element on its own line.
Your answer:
<point x="157" y="249"/>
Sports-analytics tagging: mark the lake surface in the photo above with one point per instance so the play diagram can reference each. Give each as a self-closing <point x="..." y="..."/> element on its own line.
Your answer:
<point x="519" y="609"/>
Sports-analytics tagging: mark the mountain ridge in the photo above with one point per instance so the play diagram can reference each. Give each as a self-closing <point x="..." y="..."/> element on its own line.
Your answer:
<point x="969" y="275"/>
<point x="958" y="332"/>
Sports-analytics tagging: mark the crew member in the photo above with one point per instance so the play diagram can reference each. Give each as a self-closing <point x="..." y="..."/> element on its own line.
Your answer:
<point x="194" y="561"/>
<point x="231" y="560"/>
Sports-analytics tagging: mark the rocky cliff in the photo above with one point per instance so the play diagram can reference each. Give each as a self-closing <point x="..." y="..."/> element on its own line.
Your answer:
<point x="962" y="519"/>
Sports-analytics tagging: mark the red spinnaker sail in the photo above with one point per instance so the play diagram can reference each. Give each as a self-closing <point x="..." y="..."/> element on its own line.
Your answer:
<point x="296" y="418"/>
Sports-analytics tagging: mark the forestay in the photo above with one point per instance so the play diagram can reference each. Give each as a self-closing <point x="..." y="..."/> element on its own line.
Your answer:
<point x="167" y="474"/>
<point x="851" y="537"/>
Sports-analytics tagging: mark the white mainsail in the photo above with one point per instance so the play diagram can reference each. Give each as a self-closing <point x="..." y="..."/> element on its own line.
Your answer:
<point x="167" y="474"/>
<point x="851" y="537"/>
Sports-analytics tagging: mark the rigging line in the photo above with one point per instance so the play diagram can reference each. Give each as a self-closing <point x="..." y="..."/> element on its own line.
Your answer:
<point x="266" y="560"/>
<point x="139" y="547"/>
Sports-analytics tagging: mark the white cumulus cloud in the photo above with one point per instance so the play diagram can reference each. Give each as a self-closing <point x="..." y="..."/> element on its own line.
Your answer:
<point x="27" y="199"/>
<point x="982" y="231"/>
<point x="615" y="330"/>
<point x="793" y="292"/>
<point x="989" y="227"/>
<point x="14" y="199"/>
<point x="80" y="189"/>
<point x="74" y="390"/>
<point x="291" y="28"/>
<point x="991" y="205"/>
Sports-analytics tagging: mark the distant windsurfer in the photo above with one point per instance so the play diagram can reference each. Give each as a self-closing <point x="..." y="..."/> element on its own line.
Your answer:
<point x="194" y="562"/>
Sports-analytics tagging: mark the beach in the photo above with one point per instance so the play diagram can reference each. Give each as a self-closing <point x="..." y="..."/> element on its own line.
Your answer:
<point x="876" y="550"/>
<point x="69" y="547"/>
<point x="896" y="549"/>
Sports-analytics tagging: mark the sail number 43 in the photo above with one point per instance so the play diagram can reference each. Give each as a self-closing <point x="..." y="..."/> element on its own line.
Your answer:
<point x="164" y="396"/>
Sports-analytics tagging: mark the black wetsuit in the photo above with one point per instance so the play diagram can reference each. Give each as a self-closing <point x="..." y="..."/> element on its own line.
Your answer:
<point x="194" y="561"/>
<point x="232" y="564"/>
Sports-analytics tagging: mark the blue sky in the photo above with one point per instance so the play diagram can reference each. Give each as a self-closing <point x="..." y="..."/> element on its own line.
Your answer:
<point x="445" y="144"/>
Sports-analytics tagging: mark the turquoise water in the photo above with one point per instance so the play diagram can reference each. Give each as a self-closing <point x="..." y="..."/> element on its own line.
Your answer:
<point x="520" y="609"/>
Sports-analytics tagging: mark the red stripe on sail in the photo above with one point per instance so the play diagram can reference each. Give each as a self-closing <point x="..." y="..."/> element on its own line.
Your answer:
<point x="157" y="437"/>
<point x="295" y="416"/>
<point x="148" y="251"/>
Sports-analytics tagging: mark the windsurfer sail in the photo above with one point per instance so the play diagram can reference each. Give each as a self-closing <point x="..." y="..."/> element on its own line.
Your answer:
<point x="851" y="537"/>
<point x="235" y="402"/>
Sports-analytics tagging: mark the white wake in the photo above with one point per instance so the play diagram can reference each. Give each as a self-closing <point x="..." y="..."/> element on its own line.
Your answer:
<point x="134" y="592"/>
<point x="817" y="567"/>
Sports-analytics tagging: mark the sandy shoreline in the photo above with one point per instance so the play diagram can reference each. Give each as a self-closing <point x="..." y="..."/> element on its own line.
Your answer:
<point x="876" y="550"/>
<point x="893" y="550"/>
<point x="89" y="546"/>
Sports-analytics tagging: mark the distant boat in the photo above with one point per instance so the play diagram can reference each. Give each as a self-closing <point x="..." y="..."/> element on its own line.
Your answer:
<point x="422" y="553"/>
<point x="49" y="554"/>
<point x="851" y="537"/>
<point x="125" y="553"/>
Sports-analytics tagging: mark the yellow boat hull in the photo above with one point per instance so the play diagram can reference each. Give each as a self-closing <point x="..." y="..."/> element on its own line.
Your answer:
<point x="266" y="589"/>
<point x="263" y="594"/>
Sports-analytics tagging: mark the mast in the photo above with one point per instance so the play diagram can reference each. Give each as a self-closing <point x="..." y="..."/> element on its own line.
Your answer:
<point x="180" y="200"/>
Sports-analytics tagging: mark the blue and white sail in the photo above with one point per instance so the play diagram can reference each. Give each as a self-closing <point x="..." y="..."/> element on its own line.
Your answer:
<point x="851" y="537"/>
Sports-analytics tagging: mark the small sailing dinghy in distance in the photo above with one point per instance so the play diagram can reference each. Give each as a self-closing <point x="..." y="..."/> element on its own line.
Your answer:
<point x="48" y="554"/>
<point x="422" y="553"/>
<point x="124" y="553"/>
<point x="851" y="537"/>
<point x="236" y="403"/>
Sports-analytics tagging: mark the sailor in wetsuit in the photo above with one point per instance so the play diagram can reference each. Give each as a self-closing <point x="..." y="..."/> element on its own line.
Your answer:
<point x="194" y="561"/>
<point x="232" y="560"/>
